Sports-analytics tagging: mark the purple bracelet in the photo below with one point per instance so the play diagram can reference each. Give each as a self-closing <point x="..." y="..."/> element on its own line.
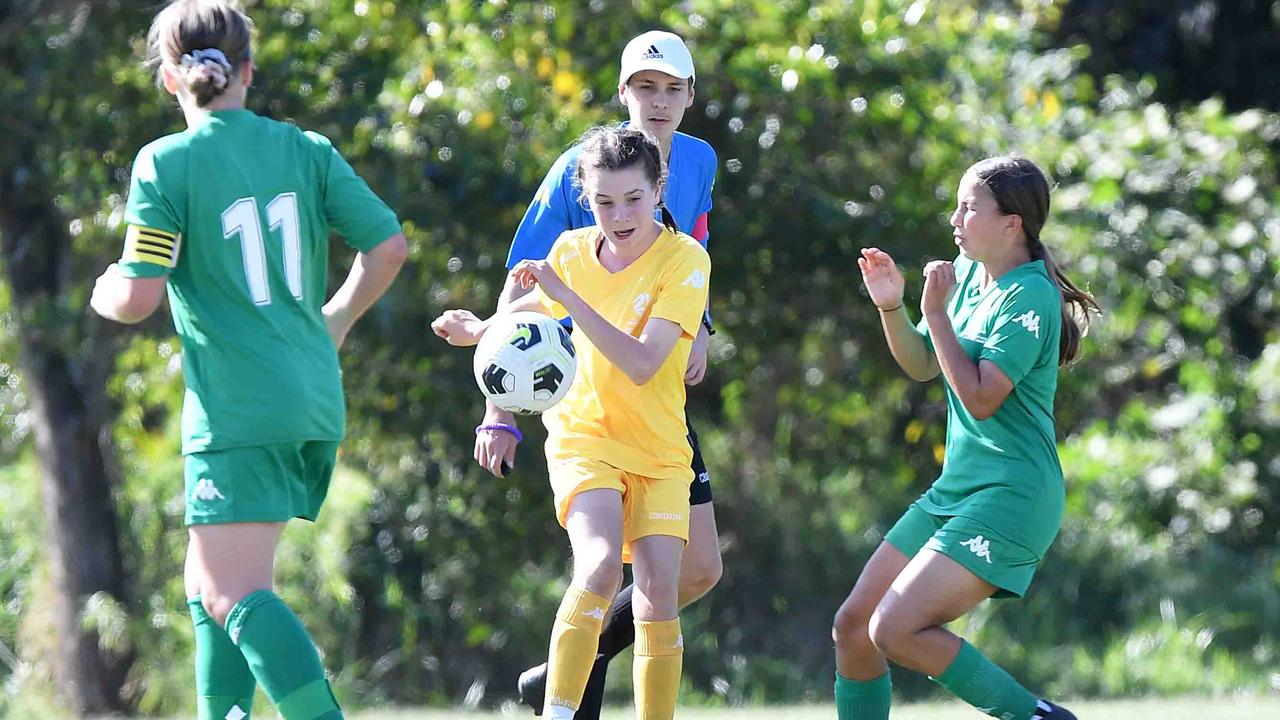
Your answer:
<point x="501" y="426"/>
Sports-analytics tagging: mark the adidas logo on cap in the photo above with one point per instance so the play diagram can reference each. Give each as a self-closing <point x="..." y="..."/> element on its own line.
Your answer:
<point x="656" y="50"/>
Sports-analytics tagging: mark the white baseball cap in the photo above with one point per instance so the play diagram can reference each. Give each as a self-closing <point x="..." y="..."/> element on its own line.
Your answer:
<point x="656" y="50"/>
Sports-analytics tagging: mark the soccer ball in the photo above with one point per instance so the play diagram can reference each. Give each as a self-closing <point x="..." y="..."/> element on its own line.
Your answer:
<point x="525" y="362"/>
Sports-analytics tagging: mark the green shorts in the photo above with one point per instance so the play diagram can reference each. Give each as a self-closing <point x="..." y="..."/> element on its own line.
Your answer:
<point x="981" y="550"/>
<point x="259" y="483"/>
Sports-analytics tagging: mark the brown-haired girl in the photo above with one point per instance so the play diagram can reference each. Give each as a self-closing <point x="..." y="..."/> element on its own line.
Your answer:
<point x="616" y="447"/>
<point x="232" y="216"/>
<point x="997" y="324"/>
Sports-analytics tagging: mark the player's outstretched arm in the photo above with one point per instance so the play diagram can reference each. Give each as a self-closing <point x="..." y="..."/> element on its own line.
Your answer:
<point x="495" y="448"/>
<point x="126" y="300"/>
<point x="371" y="274"/>
<point x="885" y="285"/>
<point x="463" y="328"/>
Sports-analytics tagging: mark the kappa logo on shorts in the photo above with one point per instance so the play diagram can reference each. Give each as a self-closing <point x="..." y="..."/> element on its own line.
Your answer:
<point x="235" y="713"/>
<point x="980" y="546"/>
<point x="206" y="490"/>
<point x="665" y="516"/>
<point x="1030" y="321"/>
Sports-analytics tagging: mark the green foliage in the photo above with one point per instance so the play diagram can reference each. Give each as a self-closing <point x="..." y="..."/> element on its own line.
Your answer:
<point x="838" y="125"/>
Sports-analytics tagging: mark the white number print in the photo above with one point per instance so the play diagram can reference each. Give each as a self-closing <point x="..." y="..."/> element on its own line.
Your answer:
<point x="241" y="218"/>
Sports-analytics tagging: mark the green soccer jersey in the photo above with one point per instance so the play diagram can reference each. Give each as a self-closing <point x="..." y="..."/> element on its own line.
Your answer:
<point x="1004" y="471"/>
<point x="236" y="211"/>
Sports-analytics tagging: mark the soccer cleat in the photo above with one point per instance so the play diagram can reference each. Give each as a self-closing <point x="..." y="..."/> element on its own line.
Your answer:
<point x="1046" y="710"/>
<point x="532" y="687"/>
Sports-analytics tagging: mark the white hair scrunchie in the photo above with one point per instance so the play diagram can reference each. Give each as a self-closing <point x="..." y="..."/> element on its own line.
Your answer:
<point x="212" y="59"/>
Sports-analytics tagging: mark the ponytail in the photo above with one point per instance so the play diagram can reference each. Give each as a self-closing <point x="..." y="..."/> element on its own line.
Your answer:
<point x="204" y="43"/>
<point x="668" y="220"/>
<point x="1076" y="304"/>
<point x="1021" y="189"/>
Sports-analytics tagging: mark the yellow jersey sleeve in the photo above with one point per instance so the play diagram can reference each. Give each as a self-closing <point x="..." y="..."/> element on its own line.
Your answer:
<point x="683" y="295"/>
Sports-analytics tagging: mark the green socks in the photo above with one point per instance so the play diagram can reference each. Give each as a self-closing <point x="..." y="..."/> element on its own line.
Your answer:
<point x="986" y="686"/>
<point x="224" y="685"/>
<point x="282" y="657"/>
<point x="863" y="699"/>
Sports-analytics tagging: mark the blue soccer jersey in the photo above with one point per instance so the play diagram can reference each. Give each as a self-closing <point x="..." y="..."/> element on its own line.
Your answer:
<point x="691" y="175"/>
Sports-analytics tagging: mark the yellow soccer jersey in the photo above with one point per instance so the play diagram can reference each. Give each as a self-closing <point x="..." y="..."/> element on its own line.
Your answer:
<point x="639" y="429"/>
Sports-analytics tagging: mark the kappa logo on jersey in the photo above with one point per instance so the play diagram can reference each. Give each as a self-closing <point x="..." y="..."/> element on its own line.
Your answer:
<point x="697" y="279"/>
<point x="652" y="53"/>
<point x="206" y="490"/>
<point x="595" y="613"/>
<point x="980" y="546"/>
<point x="235" y="713"/>
<point x="641" y="303"/>
<point x="1030" y="321"/>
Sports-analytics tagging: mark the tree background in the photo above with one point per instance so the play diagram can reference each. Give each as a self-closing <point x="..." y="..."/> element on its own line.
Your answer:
<point x="839" y="124"/>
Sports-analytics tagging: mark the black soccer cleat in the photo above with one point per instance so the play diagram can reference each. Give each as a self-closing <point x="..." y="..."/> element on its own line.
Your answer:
<point x="532" y="687"/>
<point x="1046" y="710"/>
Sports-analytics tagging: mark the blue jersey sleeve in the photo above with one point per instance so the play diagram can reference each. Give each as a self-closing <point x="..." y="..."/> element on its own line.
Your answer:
<point x="701" y="225"/>
<point x="550" y="214"/>
<point x="711" y="164"/>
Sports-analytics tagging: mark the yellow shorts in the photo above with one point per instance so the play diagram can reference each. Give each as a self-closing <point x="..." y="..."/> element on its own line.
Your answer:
<point x="650" y="506"/>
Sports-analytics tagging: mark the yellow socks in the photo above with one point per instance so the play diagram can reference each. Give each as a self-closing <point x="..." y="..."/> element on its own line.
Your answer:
<point x="659" y="658"/>
<point x="575" y="638"/>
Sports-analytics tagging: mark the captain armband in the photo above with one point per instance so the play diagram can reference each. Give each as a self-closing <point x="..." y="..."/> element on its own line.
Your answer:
<point x="149" y="245"/>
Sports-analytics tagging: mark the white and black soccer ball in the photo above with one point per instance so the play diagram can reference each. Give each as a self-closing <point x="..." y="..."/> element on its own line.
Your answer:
<point x="525" y="362"/>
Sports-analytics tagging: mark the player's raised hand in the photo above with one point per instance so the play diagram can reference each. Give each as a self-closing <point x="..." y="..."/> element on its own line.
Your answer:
<point x="460" y="328"/>
<point x="883" y="279"/>
<point x="540" y="272"/>
<point x="939" y="281"/>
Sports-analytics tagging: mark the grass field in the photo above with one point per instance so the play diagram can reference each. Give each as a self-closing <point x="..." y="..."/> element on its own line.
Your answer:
<point x="1156" y="709"/>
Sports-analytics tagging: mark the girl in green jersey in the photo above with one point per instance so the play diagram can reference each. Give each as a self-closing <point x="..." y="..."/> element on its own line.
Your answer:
<point x="998" y="321"/>
<point x="232" y="217"/>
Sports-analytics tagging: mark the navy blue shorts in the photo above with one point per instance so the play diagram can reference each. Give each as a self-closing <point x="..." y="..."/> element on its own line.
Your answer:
<point x="700" y="489"/>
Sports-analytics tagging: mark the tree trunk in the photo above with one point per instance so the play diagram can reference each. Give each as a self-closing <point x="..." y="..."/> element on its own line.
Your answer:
<point x="67" y="395"/>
